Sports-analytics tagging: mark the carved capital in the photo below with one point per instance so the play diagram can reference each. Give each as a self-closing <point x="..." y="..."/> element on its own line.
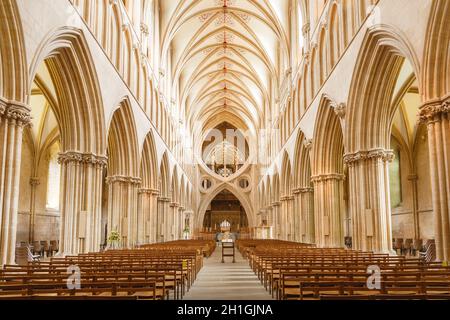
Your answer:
<point x="145" y="29"/>
<point x="305" y="29"/>
<point x="276" y="204"/>
<point x="15" y="112"/>
<point x="308" y="144"/>
<point x="306" y="190"/>
<point x="82" y="158"/>
<point x="123" y="179"/>
<point x="164" y="199"/>
<point x="340" y="110"/>
<point x="374" y="154"/>
<point x="327" y="177"/>
<point x="433" y="111"/>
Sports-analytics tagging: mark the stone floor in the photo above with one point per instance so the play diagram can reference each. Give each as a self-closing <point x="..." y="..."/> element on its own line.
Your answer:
<point x="227" y="281"/>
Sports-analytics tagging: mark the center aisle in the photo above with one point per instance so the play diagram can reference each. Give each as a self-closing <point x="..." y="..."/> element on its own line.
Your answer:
<point x="227" y="281"/>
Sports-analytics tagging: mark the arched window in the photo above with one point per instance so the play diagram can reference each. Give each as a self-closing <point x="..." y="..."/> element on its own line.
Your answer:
<point x="53" y="182"/>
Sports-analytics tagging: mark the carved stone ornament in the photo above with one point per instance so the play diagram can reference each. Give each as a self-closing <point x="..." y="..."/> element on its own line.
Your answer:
<point x="82" y="158"/>
<point x="378" y="154"/>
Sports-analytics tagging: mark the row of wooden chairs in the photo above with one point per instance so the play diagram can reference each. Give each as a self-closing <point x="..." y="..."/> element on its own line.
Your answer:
<point x="296" y="271"/>
<point x="408" y="246"/>
<point x="152" y="272"/>
<point x="42" y="248"/>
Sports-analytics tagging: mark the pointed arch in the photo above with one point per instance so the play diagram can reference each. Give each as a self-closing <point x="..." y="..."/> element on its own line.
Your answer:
<point x="164" y="176"/>
<point x="328" y="146"/>
<point x="123" y="142"/>
<point x="149" y="163"/>
<point x="370" y="111"/>
<point x="286" y="187"/>
<point x="80" y="108"/>
<point x="302" y="163"/>
<point x="13" y="64"/>
<point x="436" y="75"/>
<point x="218" y="189"/>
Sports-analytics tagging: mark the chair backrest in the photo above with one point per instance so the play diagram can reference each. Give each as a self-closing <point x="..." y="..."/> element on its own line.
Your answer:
<point x="408" y="243"/>
<point x="37" y="246"/>
<point x="418" y="243"/>
<point x="45" y="245"/>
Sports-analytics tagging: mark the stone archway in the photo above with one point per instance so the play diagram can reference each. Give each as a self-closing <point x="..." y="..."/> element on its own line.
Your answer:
<point x="209" y="198"/>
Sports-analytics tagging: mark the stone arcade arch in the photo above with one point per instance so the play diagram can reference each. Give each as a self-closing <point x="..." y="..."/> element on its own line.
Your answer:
<point x="328" y="176"/>
<point x="123" y="175"/>
<point x="304" y="192"/>
<point x="14" y="116"/>
<point x="435" y="114"/>
<point x="368" y="135"/>
<point x="164" y="200"/>
<point x="80" y="119"/>
<point x="288" y="217"/>
<point x="148" y="192"/>
<point x="211" y="195"/>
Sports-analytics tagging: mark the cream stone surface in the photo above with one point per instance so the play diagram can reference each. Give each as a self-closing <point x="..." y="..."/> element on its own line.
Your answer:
<point x="105" y="106"/>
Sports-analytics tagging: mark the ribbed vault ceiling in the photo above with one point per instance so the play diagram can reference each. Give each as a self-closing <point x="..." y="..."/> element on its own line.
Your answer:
<point x="225" y="57"/>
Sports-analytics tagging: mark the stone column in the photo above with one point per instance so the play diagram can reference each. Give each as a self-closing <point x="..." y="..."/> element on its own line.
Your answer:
<point x="122" y="208"/>
<point x="80" y="202"/>
<point x="305" y="215"/>
<point x="436" y="116"/>
<point x="414" y="178"/>
<point x="290" y="220"/>
<point x="34" y="183"/>
<point x="181" y="211"/>
<point x="147" y="215"/>
<point x="297" y="217"/>
<point x="159" y="220"/>
<point x="369" y="198"/>
<point x="283" y="218"/>
<point x="164" y="222"/>
<point x="173" y="213"/>
<point x="329" y="210"/>
<point x="276" y="216"/>
<point x="13" y="118"/>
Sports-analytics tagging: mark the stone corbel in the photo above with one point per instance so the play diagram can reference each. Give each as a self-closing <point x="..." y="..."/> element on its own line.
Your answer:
<point x="306" y="29"/>
<point x="145" y="29"/>
<point x="340" y="111"/>
<point x="308" y="144"/>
